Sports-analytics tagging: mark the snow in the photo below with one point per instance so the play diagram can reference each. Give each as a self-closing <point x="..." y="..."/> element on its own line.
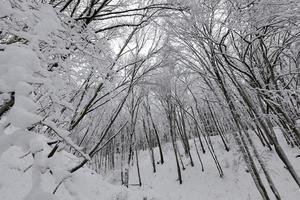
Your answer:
<point x="35" y="176"/>
<point x="85" y="184"/>
<point x="21" y="118"/>
<point x="36" y="145"/>
<point x="25" y="103"/>
<point x="5" y="8"/>
<point x="298" y="123"/>
<point x="5" y="143"/>
<point x="63" y="134"/>
<point x="18" y="138"/>
<point x="23" y="88"/>
<point x="18" y="66"/>
<point x="236" y="184"/>
<point x="3" y="86"/>
<point x="38" y="194"/>
<point x="38" y="36"/>
<point x="48" y="22"/>
<point x="21" y="57"/>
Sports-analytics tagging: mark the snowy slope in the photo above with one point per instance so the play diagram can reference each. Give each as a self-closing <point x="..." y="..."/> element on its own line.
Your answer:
<point x="236" y="184"/>
<point x="84" y="185"/>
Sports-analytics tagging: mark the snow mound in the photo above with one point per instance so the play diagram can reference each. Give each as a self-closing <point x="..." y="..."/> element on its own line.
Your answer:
<point x="85" y="184"/>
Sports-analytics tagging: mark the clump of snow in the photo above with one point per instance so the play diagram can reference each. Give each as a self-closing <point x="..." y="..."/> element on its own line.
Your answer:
<point x="298" y="123"/>
<point x="85" y="184"/>
<point x="48" y="22"/>
<point x="5" y="8"/>
<point x="36" y="145"/>
<point x="18" y="68"/>
<point x="39" y="194"/>
<point x="20" y="56"/>
<point x="21" y="118"/>
<point x="25" y="103"/>
<point x="5" y="143"/>
<point x="23" y="88"/>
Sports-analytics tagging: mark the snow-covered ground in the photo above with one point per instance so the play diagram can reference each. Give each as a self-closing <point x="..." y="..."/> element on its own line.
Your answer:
<point x="236" y="184"/>
<point x="84" y="184"/>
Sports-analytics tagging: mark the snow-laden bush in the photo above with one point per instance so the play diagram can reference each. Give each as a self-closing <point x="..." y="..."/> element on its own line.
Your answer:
<point x="44" y="57"/>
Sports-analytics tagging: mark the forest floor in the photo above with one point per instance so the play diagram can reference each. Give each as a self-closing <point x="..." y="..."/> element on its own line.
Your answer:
<point x="236" y="184"/>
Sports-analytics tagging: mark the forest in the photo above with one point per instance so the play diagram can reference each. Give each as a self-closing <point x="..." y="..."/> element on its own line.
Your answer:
<point x="149" y="99"/>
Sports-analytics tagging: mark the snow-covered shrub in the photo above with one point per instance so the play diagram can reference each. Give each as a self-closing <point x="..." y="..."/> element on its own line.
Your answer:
<point x="44" y="57"/>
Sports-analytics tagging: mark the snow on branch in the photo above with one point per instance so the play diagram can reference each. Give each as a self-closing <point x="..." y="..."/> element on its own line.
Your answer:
<point x="63" y="134"/>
